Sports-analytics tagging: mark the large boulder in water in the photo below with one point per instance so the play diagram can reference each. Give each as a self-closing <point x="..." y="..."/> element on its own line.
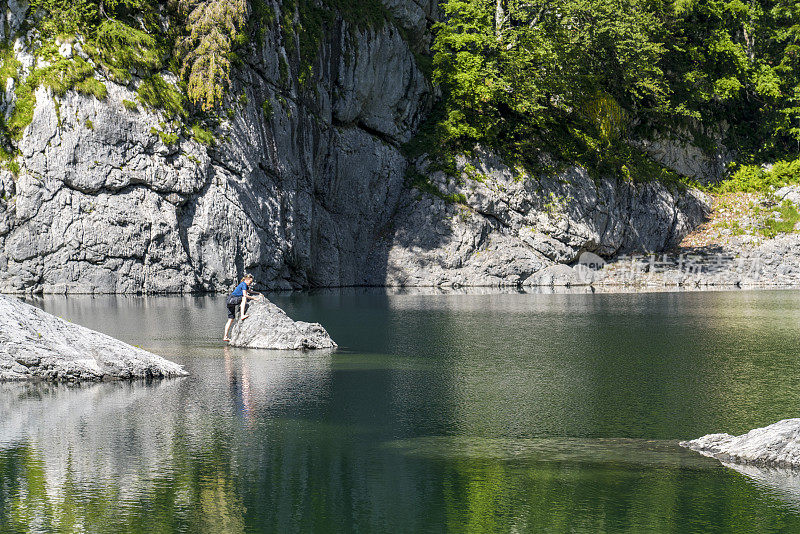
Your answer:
<point x="777" y="445"/>
<point x="37" y="345"/>
<point x="268" y="327"/>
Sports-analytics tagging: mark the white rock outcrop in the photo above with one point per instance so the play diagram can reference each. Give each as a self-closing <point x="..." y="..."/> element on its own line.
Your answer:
<point x="37" y="345"/>
<point x="777" y="445"/>
<point x="268" y="327"/>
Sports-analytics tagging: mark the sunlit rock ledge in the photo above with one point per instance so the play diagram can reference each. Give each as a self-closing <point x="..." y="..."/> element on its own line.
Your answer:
<point x="35" y="345"/>
<point x="268" y="327"/>
<point x="777" y="445"/>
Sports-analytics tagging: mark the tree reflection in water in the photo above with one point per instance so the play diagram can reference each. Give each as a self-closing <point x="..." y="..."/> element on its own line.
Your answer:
<point x="454" y="421"/>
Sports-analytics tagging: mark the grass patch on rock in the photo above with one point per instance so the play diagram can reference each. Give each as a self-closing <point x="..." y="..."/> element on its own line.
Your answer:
<point x="156" y="93"/>
<point x="166" y="137"/>
<point x="420" y="182"/>
<point x="202" y="136"/>
<point x="92" y="86"/>
<point x="783" y="220"/>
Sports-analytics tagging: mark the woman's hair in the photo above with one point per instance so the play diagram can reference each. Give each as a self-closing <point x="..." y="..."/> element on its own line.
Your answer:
<point x="247" y="276"/>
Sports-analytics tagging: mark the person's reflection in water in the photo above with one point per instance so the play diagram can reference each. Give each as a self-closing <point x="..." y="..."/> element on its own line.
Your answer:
<point x="239" y="387"/>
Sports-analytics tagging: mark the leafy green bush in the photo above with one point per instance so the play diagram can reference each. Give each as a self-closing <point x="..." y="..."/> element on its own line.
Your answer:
<point x="166" y="138"/>
<point x="130" y="105"/>
<point x="758" y="179"/>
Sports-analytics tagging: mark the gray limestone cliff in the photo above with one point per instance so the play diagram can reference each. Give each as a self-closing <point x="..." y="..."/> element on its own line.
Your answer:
<point x="303" y="186"/>
<point x="494" y="226"/>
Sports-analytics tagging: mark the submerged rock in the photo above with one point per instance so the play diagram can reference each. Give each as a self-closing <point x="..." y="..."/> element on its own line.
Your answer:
<point x="777" y="445"/>
<point x="37" y="345"/>
<point x="268" y="327"/>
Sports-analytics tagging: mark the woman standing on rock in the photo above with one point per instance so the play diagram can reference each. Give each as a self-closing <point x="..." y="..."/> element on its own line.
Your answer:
<point x="239" y="297"/>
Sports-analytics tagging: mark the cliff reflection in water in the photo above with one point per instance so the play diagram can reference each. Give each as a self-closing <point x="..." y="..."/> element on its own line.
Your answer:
<point x="476" y="413"/>
<point x="161" y="453"/>
<point x="159" y="457"/>
<point x="151" y="457"/>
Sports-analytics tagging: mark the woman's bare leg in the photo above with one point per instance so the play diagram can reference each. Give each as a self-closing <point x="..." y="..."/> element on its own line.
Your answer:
<point x="244" y="308"/>
<point x="227" y="329"/>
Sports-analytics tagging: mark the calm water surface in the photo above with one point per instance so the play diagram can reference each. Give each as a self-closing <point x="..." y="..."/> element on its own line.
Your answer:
<point x="457" y="413"/>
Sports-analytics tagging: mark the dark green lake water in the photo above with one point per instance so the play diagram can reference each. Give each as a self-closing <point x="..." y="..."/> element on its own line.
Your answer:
<point x="440" y="413"/>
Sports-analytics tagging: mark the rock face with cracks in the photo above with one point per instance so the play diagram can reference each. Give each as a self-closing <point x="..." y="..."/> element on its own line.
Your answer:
<point x="304" y="184"/>
<point x="492" y="225"/>
<point x="777" y="445"/>
<point x="37" y="345"/>
<point x="268" y="327"/>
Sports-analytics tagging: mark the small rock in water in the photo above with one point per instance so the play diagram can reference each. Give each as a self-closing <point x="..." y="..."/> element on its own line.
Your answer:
<point x="268" y="327"/>
<point x="39" y="346"/>
<point x="777" y="445"/>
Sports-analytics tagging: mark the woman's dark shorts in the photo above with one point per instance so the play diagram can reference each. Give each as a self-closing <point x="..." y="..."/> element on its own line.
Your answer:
<point x="233" y="303"/>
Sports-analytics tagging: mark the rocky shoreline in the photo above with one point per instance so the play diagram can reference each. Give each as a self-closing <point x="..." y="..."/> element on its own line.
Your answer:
<point x="772" y="263"/>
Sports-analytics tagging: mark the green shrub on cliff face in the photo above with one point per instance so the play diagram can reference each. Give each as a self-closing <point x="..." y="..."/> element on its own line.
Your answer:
<point x="9" y="64"/>
<point x="157" y="93"/>
<point x="122" y="49"/>
<point x="63" y="75"/>
<point x="92" y="86"/>
<point x="212" y="27"/>
<point x="266" y="107"/>
<point x="202" y="135"/>
<point x="166" y="137"/>
<point x="22" y="115"/>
